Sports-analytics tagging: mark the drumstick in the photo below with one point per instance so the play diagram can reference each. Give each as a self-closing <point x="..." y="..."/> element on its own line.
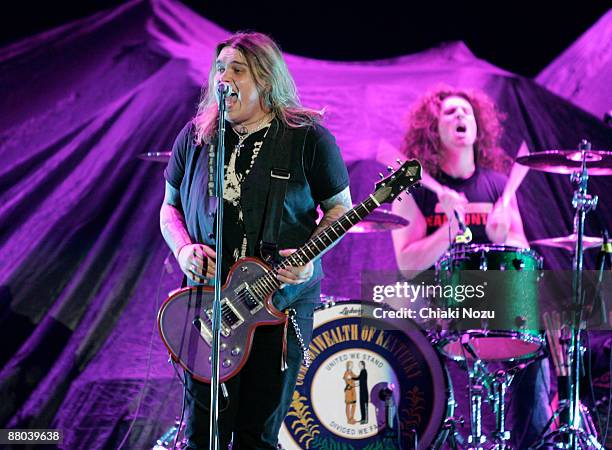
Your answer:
<point x="553" y="342"/>
<point x="560" y="331"/>
<point x="387" y="154"/>
<point x="430" y="183"/>
<point x="517" y="175"/>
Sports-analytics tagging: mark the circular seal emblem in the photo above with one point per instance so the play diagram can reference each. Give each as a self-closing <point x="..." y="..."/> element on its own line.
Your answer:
<point x="370" y="385"/>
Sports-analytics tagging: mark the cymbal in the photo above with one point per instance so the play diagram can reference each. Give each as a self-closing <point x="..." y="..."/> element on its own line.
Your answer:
<point x="569" y="242"/>
<point x="377" y="221"/>
<point x="598" y="162"/>
<point x="155" y="156"/>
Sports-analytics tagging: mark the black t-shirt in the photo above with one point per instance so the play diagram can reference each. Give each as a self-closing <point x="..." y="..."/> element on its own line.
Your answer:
<point x="482" y="190"/>
<point x="318" y="173"/>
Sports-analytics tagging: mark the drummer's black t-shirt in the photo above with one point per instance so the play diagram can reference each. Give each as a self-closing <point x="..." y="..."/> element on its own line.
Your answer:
<point x="482" y="190"/>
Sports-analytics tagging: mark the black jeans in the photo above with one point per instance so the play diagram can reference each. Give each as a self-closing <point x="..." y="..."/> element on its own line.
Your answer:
<point x="259" y="396"/>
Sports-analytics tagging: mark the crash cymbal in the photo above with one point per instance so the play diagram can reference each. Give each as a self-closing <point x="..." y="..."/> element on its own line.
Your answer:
<point x="378" y="220"/>
<point x="155" y="156"/>
<point x="598" y="162"/>
<point x="569" y="242"/>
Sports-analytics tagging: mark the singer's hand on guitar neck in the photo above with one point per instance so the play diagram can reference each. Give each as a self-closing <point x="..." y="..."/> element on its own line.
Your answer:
<point x="197" y="261"/>
<point x="452" y="201"/>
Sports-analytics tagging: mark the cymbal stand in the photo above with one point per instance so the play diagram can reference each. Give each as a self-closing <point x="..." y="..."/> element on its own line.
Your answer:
<point x="496" y="385"/>
<point x="571" y="433"/>
<point x="500" y="381"/>
<point x="477" y="386"/>
<point x="478" y="375"/>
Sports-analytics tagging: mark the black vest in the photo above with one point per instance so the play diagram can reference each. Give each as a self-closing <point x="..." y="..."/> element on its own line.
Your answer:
<point x="299" y="212"/>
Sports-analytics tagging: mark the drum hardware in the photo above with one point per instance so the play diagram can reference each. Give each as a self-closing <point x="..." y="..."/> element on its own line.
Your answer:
<point x="391" y="437"/>
<point x="328" y="301"/>
<point x="483" y="262"/>
<point x="476" y="376"/>
<point x="574" y="433"/>
<point x="586" y="433"/>
<point x="500" y="383"/>
<point x="155" y="156"/>
<point x="455" y="441"/>
<point x="495" y="384"/>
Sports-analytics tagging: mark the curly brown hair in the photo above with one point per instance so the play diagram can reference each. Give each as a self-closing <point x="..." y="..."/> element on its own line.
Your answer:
<point x="422" y="140"/>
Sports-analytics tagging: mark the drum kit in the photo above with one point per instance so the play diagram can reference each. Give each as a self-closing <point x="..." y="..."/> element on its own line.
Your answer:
<point x="410" y="401"/>
<point x="492" y="351"/>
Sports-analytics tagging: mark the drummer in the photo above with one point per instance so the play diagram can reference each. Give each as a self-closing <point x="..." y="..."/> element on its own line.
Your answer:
<point x="454" y="134"/>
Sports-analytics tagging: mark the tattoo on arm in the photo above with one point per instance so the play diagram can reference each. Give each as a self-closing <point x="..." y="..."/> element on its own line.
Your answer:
<point x="341" y="198"/>
<point x="172" y="221"/>
<point x="334" y="208"/>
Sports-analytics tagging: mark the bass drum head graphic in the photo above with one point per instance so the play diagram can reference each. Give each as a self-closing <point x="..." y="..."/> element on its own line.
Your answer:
<point x="371" y="384"/>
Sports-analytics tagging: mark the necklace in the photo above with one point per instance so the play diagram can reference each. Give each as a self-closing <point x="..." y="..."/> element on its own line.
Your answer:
<point x="242" y="136"/>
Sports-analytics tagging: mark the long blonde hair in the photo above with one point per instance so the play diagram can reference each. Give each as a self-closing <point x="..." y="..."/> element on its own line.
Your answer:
<point x="276" y="87"/>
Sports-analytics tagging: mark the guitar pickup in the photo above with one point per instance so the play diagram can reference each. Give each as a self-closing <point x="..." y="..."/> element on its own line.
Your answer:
<point x="206" y="323"/>
<point x="229" y="315"/>
<point x="250" y="299"/>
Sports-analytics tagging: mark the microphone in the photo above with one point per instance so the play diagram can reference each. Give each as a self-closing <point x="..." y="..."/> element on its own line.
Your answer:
<point x="465" y="236"/>
<point x="460" y="221"/>
<point x="224" y="88"/>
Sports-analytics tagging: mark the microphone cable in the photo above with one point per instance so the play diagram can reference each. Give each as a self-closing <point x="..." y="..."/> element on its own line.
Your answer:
<point x="149" y="353"/>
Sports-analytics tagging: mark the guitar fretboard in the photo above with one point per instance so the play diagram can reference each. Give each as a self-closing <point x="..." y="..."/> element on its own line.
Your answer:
<point x="315" y="246"/>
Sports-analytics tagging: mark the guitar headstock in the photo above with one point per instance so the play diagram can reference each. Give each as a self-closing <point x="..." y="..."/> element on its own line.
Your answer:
<point x="399" y="181"/>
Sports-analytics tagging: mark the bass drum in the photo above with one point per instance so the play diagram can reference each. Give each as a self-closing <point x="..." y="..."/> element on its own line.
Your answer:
<point x="373" y="383"/>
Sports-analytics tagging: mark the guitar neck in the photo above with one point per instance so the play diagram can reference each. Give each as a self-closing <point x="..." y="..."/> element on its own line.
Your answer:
<point x="386" y="191"/>
<point x="318" y="244"/>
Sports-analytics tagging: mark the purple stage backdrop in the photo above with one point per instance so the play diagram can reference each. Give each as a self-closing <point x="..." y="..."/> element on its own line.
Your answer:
<point x="82" y="259"/>
<point x="582" y="74"/>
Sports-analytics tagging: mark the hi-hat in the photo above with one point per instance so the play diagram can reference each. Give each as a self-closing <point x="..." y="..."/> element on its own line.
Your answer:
<point x="569" y="242"/>
<point x="155" y="156"/>
<point x="598" y="162"/>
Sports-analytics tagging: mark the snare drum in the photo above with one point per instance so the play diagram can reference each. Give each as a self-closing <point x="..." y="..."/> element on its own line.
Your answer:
<point x="507" y="328"/>
<point x="337" y="405"/>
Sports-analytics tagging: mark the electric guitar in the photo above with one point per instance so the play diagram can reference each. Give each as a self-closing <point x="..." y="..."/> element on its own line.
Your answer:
<point x="185" y="318"/>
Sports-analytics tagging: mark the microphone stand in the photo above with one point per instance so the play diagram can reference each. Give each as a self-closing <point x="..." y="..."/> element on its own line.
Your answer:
<point x="216" y="309"/>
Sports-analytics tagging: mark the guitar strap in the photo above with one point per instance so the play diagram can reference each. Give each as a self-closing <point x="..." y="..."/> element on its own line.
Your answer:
<point x="279" y="177"/>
